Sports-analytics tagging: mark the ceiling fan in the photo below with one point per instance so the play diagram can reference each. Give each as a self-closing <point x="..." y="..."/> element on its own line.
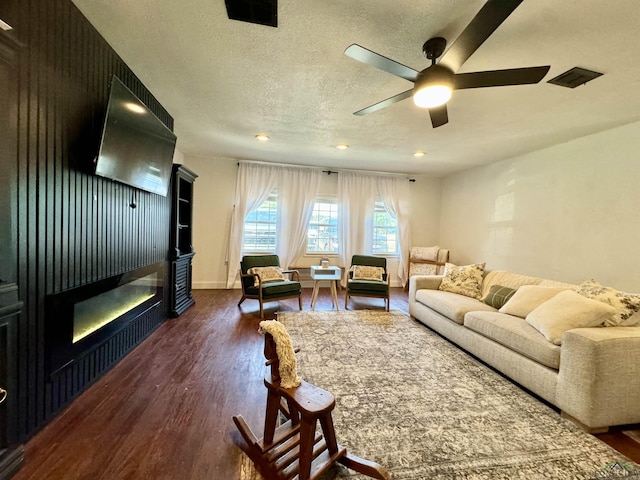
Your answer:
<point x="433" y="85"/>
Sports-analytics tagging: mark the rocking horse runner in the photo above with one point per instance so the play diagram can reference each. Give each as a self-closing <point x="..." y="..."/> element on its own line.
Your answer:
<point x="294" y="450"/>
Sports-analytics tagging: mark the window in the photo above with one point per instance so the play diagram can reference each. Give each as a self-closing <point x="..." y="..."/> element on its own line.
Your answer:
<point x="385" y="231"/>
<point x="322" y="234"/>
<point x="260" y="228"/>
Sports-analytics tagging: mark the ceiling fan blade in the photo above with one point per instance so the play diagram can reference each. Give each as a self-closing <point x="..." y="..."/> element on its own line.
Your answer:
<point x="498" y="78"/>
<point x="439" y="116"/>
<point x="380" y="62"/>
<point x="384" y="103"/>
<point x="481" y="27"/>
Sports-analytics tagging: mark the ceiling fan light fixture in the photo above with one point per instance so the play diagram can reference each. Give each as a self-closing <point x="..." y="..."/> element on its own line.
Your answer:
<point x="433" y="87"/>
<point x="432" y="96"/>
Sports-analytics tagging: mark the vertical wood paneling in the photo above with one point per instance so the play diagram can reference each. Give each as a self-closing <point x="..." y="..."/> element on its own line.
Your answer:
<point x="73" y="227"/>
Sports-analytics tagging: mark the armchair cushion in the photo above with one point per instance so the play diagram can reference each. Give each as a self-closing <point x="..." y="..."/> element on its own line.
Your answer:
<point x="365" y="272"/>
<point x="266" y="274"/>
<point x="367" y="286"/>
<point x="275" y="289"/>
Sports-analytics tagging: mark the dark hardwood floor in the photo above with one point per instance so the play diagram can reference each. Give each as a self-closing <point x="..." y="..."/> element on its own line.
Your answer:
<point x="164" y="412"/>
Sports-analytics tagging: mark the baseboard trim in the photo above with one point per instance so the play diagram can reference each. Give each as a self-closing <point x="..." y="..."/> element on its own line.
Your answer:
<point x="223" y="286"/>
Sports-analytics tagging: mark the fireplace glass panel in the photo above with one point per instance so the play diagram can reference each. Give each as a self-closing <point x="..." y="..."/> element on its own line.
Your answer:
<point x="94" y="313"/>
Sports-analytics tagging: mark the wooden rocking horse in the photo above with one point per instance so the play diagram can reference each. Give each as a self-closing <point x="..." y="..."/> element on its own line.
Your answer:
<point x="295" y="450"/>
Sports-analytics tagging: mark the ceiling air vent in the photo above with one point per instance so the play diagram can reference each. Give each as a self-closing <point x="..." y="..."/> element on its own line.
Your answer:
<point x="574" y="77"/>
<point x="262" y="12"/>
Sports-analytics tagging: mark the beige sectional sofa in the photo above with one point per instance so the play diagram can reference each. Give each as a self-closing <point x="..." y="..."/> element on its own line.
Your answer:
<point x="593" y="376"/>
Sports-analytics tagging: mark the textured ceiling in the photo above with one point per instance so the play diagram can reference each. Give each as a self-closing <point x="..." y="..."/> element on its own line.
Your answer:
<point x="224" y="81"/>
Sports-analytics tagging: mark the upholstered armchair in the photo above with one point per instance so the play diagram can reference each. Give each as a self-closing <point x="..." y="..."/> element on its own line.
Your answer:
<point x="262" y="279"/>
<point x="367" y="277"/>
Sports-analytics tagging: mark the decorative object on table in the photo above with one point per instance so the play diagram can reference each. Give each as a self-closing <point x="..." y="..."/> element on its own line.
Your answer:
<point x="262" y="279"/>
<point x="295" y="449"/>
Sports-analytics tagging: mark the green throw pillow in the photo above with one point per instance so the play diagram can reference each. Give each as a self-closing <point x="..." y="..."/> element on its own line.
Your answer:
<point x="498" y="296"/>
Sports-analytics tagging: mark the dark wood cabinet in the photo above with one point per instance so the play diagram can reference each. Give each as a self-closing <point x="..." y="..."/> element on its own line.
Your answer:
<point x="181" y="247"/>
<point x="11" y="452"/>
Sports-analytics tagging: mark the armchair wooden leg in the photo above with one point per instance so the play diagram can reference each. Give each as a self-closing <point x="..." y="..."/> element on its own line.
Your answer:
<point x="242" y="300"/>
<point x="300" y="301"/>
<point x="261" y="310"/>
<point x="346" y="300"/>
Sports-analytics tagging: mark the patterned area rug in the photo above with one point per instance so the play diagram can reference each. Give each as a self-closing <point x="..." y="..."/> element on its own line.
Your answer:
<point x="411" y="401"/>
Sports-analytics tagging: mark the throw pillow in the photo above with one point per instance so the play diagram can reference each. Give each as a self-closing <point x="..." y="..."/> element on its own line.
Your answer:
<point x="464" y="280"/>
<point x="266" y="274"/>
<point x="568" y="310"/>
<point x="527" y="298"/>
<point x="365" y="272"/>
<point x="626" y="304"/>
<point x="498" y="296"/>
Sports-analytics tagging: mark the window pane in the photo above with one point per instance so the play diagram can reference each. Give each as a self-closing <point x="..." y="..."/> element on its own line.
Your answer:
<point x="322" y="234"/>
<point x="260" y="228"/>
<point x="385" y="231"/>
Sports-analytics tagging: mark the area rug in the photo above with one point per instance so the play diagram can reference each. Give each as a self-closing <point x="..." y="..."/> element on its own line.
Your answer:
<point x="411" y="401"/>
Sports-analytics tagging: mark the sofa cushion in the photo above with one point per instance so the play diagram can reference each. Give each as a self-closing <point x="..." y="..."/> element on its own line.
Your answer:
<point x="516" y="334"/>
<point x="451" y="305"/>
<point x="498" y="295"/>
<point x="566" y="311"/>
<point x="626" y="304"/>
<point x="515" y="280"/>
<point x="527" y="298"/>
<point x="465" y="280"/>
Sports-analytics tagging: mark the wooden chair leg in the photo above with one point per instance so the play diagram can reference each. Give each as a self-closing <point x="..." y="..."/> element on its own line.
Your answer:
<point x="300" y="301"/>
<point x="242" y="300"/>
<point x="346" y="300"/>
<point x="261" y="310"/>
<point x="307" y="435"/>
<point x="326" y="422"/>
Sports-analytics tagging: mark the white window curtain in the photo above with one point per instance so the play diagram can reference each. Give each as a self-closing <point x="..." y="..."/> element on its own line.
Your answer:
<point x="297" y="192"/>
<point x="394" y="193"/>
<point x="254" y="184"/>
<point x="356" y="200"/>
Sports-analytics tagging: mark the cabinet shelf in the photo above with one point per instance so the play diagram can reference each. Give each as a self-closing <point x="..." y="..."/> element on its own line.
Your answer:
<point x="181" y="249"/>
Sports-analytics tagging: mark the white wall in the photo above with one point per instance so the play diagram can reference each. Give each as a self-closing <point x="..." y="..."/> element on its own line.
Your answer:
<point x="570" y="212"/>
<point x="214" y="193"/>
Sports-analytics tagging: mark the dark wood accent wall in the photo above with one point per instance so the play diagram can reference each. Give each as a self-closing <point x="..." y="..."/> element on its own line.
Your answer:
<point x="72" y="227"/>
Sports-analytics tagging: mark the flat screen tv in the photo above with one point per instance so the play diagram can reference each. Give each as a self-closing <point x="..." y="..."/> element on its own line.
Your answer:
<point x="136" y="147"/>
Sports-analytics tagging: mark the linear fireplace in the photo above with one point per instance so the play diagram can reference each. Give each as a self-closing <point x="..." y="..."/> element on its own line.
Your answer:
<point x="82" y="318"/>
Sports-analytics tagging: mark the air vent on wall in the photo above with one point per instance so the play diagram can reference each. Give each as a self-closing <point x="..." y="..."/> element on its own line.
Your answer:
<point x="574" y="77"/>
<point x="262" y="12"/>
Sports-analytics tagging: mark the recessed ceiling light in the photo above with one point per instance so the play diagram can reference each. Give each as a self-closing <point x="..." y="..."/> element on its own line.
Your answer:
<point x="342" y="146"/>
<point x="262" y="137"/>
<point x="419" y="153"/>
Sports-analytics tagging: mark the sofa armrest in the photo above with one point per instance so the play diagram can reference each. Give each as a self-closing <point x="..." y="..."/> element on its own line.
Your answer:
<point x="599" y="378"/>
<point x="419" y="282"/>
